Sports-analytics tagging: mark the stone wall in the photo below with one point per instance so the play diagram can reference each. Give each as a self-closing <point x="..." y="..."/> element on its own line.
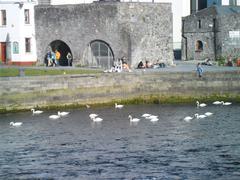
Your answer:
<point x="216" y="39"/>
<point x="28" y="92"/>
<point x="139" y="31"/>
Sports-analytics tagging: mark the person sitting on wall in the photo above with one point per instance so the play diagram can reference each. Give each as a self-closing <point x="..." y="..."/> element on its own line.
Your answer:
<point x="140" y="65"/>
<point x="199" y="70"/>
<point x="207" y="62"/>
<point x="148" y="64"/>
<point x="238" y="62"/>
<point x="159" y="65"/>
<point x="229" y="61"/>
<point x="124" y="64"/>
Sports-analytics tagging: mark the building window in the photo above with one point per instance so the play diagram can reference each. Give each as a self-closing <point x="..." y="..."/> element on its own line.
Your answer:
<point x="15" y="48"/>
<point x="3" y="18"/>
<point x="199" y="46"/>
<point x="199" y="24"/>
<point x="27" y="45"/>
<point x="26" y="16"/>
<point x="232" y="2"/>
<point x="103" y="54"/>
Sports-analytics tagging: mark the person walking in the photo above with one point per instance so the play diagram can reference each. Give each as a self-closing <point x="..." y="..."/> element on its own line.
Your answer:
<point x="199" y="70"/>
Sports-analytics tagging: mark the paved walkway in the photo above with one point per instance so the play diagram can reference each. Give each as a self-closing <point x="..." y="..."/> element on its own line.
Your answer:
<point x="180" y="66"/>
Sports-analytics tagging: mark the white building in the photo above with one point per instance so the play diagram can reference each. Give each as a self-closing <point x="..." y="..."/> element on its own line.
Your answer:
<point x="17" y="32"/>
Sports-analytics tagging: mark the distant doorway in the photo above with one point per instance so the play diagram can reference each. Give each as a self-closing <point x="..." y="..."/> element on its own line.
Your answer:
<point x="103" y="54"/>
<point x="199" y="46"/>
<point x="3" y="52"/>
<point x="63" y="49"/>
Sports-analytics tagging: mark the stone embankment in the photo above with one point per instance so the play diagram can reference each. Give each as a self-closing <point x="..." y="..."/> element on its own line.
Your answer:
<point x="22" y="93"/>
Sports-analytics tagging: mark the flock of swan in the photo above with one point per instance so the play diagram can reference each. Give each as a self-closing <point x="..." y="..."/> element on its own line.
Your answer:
<point x="153" y="118"/>
<point x="201" y="105"/>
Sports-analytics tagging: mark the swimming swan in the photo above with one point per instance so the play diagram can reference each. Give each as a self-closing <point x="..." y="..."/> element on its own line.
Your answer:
<point x="36" y="112"/>
<point x="217" y="102"/>
<point x="119" y="106"/>
<point x="97" y="119"/>
<point x="155" y="119"/>
<point x="151" y="117"/>
<point x="62" y="113"/>
<point x="226" y="103"/>
<point x="208" y="113"/>
<point x="133" y="119"/>
<point x="16" y="124"/>
<point x="54" y="116"/>
<point x="188" y="118"/>
<point x="200" y="116"/>
<point x="201" y="105"/>
<point x="146" y="115"/>
<point x="93" y="116"/>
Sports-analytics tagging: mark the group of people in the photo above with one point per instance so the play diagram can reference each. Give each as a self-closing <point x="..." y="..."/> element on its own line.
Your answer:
<point x="148" y="64"/>
<point x="53" y="58"/>
<point x="120" y="65"/>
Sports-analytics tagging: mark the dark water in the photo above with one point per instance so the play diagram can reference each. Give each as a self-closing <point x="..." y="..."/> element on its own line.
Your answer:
<point x="75" y="148"/>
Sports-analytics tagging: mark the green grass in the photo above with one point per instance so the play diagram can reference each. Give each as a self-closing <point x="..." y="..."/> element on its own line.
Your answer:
<point x="11" y="72"/>
<point x="6" y="72"/>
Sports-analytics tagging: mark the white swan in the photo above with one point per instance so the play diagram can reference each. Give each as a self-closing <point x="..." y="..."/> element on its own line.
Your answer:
<point x="54" y="116"/>
<point x="226" y="103"/>
<point x="63" y="113"/>
<point x="217" y="102"/>
<point x="97" y="119"/>
<point x="146" y="115"/>
<point x="208" y="114"/>
<point x="93" y="116"/>
<point x="133" y="119"/>
<point x="201" y="105"/>
<point x="119" y="106"/>
<point x="36" y="111"/>
<point x="188" y="118"/>
<point x="151" y="117"/>
<point x="154" y="119"/>
<point x="200" y="116"/>
<point x="16" y="124"/>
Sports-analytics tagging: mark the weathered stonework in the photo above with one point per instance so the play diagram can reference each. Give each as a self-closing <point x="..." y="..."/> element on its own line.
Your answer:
<point x="138" y="31"/>
<point x="216" y="25"/>
<point x="18" y="93"/>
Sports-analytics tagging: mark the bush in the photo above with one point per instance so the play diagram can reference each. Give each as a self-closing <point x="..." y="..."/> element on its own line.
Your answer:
<point x="221" y="60"/>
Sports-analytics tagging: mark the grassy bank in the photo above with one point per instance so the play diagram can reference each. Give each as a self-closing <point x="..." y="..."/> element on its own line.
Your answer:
<point x="13" y="72"/>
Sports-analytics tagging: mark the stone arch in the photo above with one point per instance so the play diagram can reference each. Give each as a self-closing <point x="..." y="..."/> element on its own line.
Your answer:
<point x="102" y="53"/>
<point x="199" y="46"/>
<point x="63" y="48"/>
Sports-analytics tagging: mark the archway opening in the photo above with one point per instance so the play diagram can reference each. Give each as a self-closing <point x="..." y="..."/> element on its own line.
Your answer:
<point x="199" y="46"/>
<point x="64" y="50"/>
<point x="103" y="54"/>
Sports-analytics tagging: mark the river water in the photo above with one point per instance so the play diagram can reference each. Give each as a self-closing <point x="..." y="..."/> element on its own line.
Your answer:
<point x="74" y="147"/>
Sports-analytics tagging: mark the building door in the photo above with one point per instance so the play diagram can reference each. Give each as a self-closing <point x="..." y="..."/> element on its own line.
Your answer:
<point x="103" y="54"/>
<point x="3" y="52"/>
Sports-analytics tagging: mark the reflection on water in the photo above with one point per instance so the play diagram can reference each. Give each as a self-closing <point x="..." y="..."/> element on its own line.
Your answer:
<point x="73" y="147"/>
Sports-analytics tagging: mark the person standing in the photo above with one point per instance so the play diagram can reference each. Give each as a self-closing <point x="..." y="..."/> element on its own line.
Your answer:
<point x="53" y="57"/>
<point x="58" y="55"/>
<point x="199" y="70"/>
<point x="69" y="58"/>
